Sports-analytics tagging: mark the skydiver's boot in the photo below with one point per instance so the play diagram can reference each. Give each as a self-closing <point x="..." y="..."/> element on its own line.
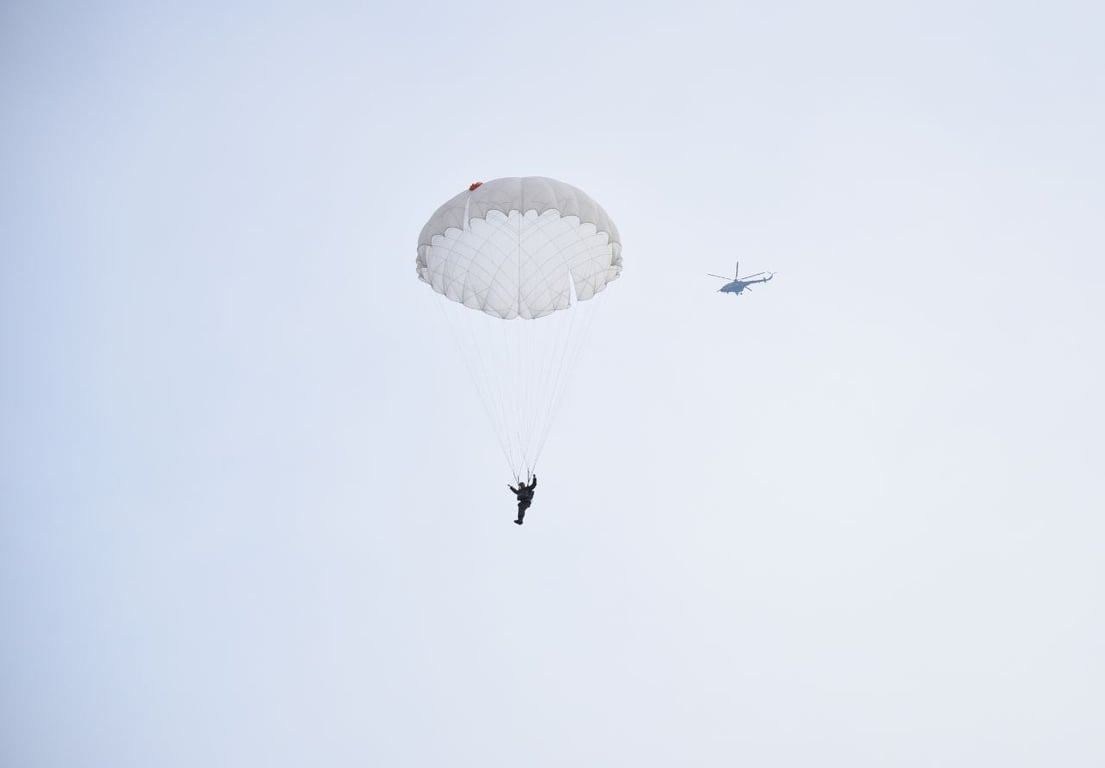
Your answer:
<point x="517" y="522"/>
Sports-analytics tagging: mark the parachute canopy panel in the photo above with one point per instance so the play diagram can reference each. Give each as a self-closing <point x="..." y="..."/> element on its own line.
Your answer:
<point x="517" y="247"/>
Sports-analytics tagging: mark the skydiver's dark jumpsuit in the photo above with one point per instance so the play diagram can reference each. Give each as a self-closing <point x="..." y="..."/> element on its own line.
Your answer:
<point x="525" y="497"/>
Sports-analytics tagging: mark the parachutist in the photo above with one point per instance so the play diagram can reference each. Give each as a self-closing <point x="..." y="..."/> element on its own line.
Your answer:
<point x="524" y="493"/>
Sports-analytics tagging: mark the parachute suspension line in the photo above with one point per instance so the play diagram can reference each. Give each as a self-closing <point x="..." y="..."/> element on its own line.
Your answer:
<point x="575" y="342"/>
<point x="549" y="331"/>
<point x="560" y="339"/>
<point x="546" y="333"/>
<point x="497" y="389"/>
<point x="539" y="377"/>
<point x="492" y="385"/>
<point x="512" y="340"/>
<point x="487" y="386"/>
<point x="524" y="352"/>
<point x="483" y="396"/>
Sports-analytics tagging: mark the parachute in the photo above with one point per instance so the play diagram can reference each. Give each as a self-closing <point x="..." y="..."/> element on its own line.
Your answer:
<point x="518" y="263"/>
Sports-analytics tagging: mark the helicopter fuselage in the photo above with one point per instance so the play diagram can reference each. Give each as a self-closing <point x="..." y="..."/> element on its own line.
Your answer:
<point x="737" y="286"/>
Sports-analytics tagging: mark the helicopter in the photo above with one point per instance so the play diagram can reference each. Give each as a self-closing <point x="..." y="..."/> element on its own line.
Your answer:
<point x="739" y="284"/>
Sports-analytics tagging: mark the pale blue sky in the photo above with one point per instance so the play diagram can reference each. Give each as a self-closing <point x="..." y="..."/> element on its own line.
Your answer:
<point x="253" y="515"/>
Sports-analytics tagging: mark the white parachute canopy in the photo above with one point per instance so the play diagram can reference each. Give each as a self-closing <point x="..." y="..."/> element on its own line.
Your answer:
<point x="519" y="260"/>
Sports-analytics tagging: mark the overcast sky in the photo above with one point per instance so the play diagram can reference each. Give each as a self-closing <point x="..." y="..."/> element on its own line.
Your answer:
<point x="252" y="511"/>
